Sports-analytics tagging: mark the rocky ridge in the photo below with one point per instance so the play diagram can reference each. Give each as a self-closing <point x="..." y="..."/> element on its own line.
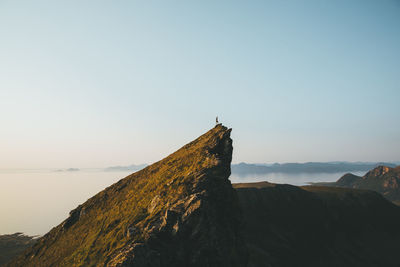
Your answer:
<point x="180" y="211"/>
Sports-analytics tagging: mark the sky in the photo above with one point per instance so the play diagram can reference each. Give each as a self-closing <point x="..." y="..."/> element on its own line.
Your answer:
<point x="100" y="83"/>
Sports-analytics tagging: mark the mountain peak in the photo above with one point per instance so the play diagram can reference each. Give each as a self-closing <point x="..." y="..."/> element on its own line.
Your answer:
<point x="379" y="171"/>
<point x="180" y="211"/>
<point x="347" y="180"/>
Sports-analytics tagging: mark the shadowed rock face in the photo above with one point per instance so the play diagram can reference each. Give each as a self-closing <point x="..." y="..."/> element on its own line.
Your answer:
<point x="12" y="245"/>
<point x="180" y="211"/>
<point x="318" y="226"/>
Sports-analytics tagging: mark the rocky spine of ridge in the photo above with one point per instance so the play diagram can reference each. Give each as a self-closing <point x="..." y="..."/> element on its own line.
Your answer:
<point x="180" y="211"/>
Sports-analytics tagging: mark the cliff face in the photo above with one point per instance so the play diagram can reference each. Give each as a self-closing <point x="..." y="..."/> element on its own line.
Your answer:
<point x="180" y="211"/>
<point x="318" y="226"/>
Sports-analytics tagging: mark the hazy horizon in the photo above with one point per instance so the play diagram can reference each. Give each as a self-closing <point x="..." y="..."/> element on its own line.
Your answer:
<point x="99" y="83"/>
<point x="65" y="168"/>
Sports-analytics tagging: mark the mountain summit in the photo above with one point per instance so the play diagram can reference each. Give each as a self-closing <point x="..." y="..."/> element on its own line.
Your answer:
<point x="180" y="211"/>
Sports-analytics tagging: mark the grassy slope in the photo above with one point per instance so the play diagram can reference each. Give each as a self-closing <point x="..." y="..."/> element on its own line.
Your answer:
<point x="97" y="229"/>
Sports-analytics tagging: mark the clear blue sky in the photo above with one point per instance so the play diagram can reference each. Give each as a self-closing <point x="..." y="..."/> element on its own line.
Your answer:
<point x="99" y="83"/>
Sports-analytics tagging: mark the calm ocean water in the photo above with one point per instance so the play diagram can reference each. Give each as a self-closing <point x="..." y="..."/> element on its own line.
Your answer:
<point x="34" y="201"/>
<point x="291" y="178"/>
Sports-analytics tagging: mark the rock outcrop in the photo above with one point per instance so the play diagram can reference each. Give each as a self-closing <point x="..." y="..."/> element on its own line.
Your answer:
<point x="180" y="211"/>
<point x="382" y="179"/>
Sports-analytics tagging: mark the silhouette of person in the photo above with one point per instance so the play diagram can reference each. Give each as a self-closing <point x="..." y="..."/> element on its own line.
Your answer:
<point x="216" y="120"/>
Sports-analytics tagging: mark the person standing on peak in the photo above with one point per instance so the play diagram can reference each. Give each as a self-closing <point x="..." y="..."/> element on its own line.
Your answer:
<point x="216" y="120"/>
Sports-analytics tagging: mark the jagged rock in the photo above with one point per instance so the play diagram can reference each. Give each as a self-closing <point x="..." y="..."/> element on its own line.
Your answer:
<point x="153" y="204"/>
<point x="130" y="231"/>
<point x="74" y="216"/>
<point x="137" y="254"/>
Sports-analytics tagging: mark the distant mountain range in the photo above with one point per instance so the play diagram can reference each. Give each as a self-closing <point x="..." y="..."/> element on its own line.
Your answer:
<point x="243" y="169"/>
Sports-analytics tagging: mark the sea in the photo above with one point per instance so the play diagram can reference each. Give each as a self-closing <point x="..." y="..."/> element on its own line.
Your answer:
<point x="34" y="201"/>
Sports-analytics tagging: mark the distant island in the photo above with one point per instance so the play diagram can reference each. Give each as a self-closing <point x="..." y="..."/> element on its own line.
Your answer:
<point x="68" y="170"/>
<point x="132" y="167"/>
<point x="243" y="169"/>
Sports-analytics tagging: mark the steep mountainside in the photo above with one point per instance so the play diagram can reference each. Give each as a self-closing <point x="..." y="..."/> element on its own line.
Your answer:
<point x="180" y="211"/>
<point x="13" y="245"/>
<point x="382" y="179"/>
<point x="318" y="226"/>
